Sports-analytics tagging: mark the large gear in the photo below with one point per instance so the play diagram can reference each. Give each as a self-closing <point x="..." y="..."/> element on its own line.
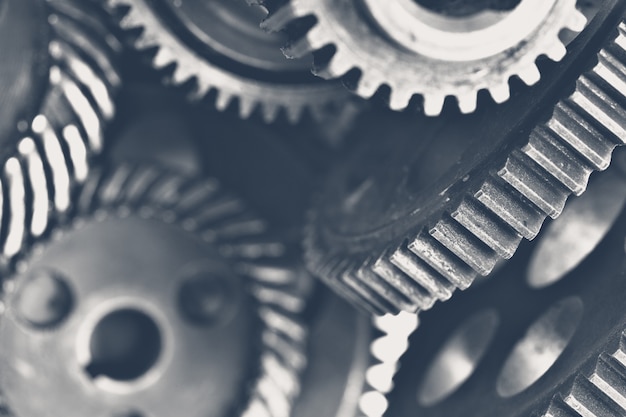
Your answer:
<point x="186" y="255"/>
<point x="58" y="85"/>
<point x="217" y="48"/>
<point x="415" y="51"/>
<point x="432" y="215"/>
<point x="510" y="347"/>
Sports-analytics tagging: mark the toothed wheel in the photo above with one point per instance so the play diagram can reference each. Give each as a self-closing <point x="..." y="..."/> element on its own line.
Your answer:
<point x="58" y="79"/>
<point x="154" y="285"/>
<point x="406" y="221"/>
<point x="417" y="51"/>
<point x="218" y="47"/>
<point x="545" y="336"/>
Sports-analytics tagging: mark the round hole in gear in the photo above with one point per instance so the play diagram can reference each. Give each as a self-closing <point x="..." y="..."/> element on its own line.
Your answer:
<point x="541" y="346"/>
<point x="124" y="345"/>
<point x="458" y="358"/>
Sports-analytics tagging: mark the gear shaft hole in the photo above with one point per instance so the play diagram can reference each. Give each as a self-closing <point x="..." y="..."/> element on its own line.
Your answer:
<point x="124" y="345"/>
<point x="544" y="342"/>
<point x="467" y="7"/>
<point x="458" y="358"/>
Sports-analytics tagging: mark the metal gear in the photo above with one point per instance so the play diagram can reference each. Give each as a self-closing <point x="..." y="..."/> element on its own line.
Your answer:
<point x="216" y="47"/>
<point x="519" y="345"/>
<point x="415" y="51"/>
<point x="58" y="80"/>
<point x="404" y="223"/>
<point x="177" y="252"/>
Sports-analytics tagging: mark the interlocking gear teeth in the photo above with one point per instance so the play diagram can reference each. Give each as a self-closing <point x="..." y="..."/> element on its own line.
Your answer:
<point x="201" y="77"/>
<point x="361" y="44"/>
<point x="532" y="183"/>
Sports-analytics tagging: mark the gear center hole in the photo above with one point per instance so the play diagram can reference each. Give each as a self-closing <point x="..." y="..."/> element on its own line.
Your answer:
<point x="463" y="8"/>
<point x="124" y="345"/>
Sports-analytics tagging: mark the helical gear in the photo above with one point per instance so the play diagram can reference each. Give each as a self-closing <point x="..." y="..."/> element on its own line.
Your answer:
<point x="414" y="51"/>
<point x="201" y="209"/>
<point x="208" y="67"/>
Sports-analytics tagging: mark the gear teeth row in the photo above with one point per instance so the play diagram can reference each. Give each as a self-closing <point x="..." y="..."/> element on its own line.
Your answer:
<point x="534" y="182"/>
<point x="342" y="62"/>
<point x="602" y="393"/>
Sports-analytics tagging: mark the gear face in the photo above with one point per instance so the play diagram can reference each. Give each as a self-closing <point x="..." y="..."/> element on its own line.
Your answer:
<point x="197" y="296"/>
<point x="415" y="51"/>
<point x="218" y="47"/>
<point x="509" y="348"/>
<point x="59" y="80"/>
<point x="404" y="223"/>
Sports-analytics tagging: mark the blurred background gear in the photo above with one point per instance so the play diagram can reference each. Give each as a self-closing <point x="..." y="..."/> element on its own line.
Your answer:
<point x="406" y="221"/>
<point x="414" y="48"/>
<point x="58" y="78"/>
<point x="155" y="284"/>
<point x="216" y="49"/>
<point x="544" y="336"/>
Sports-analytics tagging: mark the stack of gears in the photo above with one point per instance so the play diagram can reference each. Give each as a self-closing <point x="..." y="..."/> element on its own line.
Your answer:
<point x="264" y="208"/>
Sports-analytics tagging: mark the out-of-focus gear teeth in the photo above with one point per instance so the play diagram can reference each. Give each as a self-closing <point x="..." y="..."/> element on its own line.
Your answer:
<point x="419" y="296"/>
<point x="500" y="92"/>
<point x="529" y="74"/>
<point x="467" y="102"/>
<point x="271" y="85"/>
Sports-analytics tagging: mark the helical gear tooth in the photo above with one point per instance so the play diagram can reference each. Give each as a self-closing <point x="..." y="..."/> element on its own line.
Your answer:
<point x="612" y="71"/>
<point x="421" y="298"/>
<point x="586" y="399"/>
<point x="433" y="104"/>
<point x="384" y="289"/>
<point x="467" y="102"/>
<point x="373" y="301"/>
<point x="562" y="163"/>
<point x="500" y="92"/>
<point x="610" y="378"/>
<point x="521" y="173"/>
<point x="465" y="245"/>
<point x="530" y="74"/>
<point x="433" y="253"/>
<point x="512" y="209"/>
<point x="558" y="408"/>
<point x="490" y="229"/>
<point x="423" y="274"/>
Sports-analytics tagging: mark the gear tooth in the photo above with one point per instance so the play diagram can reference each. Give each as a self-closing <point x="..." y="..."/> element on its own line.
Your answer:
<point x="384" y="289"/>
<point x="433" y="104"/>
<point x="490" y="229"/>
<point x="222" y="100"/>
<point x="465" y="245"/>
<point x="610" y="378"/>
<point x="420" y="297"/>
<point x="522" y="216"/>
<point x="611" y="69"/>
<point x="270" y="112"/>
<point x="293" y="113"/>
<point x="400" y="98"/>
<point x="419" y="271"/>
<point x="562" y="163"/>
<point x="367" y="296"/>
<point x="163" y="58"/>
<point x="500" y="92"/>
<point x="181" y="75"/>
<point x="586" y="399"/>
<point x="556" y="51"/>
<point x="246" y="107"/>
<point x="279" y="19"/>
<point x="367" y="86"/>
<point x="335" y="68"/>
<point x="298" y="49"/>
<point x="558" y="408"/>
<point x="524" y="176"/>
<point x="577" y="21"/>
<point x="467" y="102"/>
<point x="433" y="253"/>
<point x="530" y="74"/>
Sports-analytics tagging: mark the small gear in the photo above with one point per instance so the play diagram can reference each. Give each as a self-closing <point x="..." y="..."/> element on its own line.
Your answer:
<point x="217" y="46"/>
<point x="416" y="51"/>
<point x="513" y="348"/>
<point x="196" y="292"/>
<point x="405" y="222"/>
<point x="58" y="79"/>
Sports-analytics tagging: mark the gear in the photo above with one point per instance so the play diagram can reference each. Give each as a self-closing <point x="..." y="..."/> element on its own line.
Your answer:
<point x="404" y="223"/>
<point x="510" y="347"/>
<point x="58" y="83"/>
<point x="415" y="51"/>
<point x="203" y="297"/>
<point x="219" y="46"/>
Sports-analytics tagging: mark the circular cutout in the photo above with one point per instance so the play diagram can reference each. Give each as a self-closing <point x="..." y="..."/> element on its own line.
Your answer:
<point x="124" y="345"/>
<point x="44" y="301"/>
<point x="203" y="300"/>
<point x="541" y="346"/>
<point x="458" y="358"/>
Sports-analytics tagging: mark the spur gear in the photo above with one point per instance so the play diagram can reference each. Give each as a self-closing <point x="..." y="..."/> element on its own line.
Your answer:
<point x="216" y="47"/>
<point x="404" y="222"/>
<point x="198" y="296"/>
<point x="58" y="78"/>
<point x="511" y="348"/>
<point x="413" y="50"/>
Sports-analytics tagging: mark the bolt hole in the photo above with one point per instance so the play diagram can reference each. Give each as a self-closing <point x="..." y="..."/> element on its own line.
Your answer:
<point x="203" y="300"/>
<point x="124" y="345"/>
<point x="44" y="300"/>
